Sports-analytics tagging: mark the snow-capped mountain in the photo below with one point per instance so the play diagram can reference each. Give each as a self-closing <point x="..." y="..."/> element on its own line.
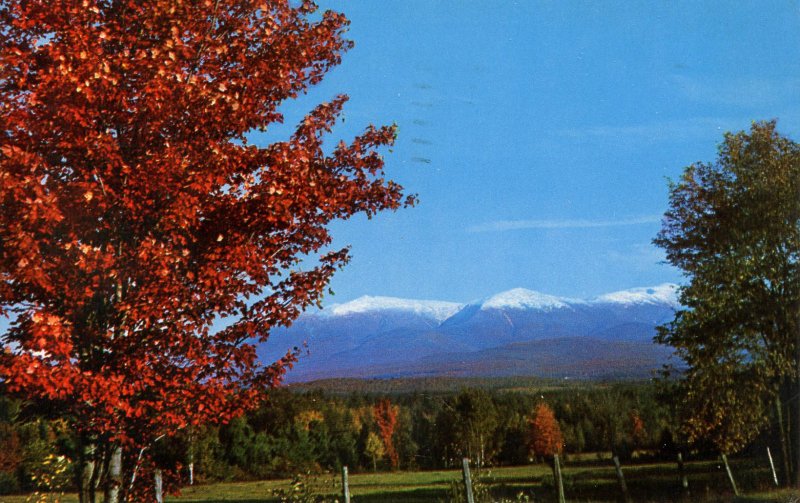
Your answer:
<point x="517" y="331"/>
<point x="342" y="329"/>
<point x="666" y="294"/>
<point x="520" y="298"/>
<point x="435" y="309"/>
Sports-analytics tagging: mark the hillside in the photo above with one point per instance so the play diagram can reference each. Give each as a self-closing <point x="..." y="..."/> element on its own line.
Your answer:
<point x="513" y="333"/>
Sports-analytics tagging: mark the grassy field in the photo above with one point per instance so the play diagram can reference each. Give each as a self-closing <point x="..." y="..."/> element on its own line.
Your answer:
<point x="588" y="480"/>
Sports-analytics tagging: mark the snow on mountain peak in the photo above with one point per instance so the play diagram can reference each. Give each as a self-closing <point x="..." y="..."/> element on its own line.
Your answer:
<point x="666" y="293"/>
<point x="518" y="298"/>
<point x="521" y="298"/>
<point x="436" y="309"/>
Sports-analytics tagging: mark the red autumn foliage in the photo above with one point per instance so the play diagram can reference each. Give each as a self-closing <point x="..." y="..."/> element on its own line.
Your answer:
<point x="545" y="433"/>
<point x="386" y="418"/>
<point x="135" y="212"/>
<point x="638" y="432"/>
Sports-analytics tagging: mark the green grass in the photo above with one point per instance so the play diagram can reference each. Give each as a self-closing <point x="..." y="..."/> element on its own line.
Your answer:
<point x="772" y="496"/>
<point x="586" y="479"/>
<point x="67" y="498"/>
<point x="379" y="487"/>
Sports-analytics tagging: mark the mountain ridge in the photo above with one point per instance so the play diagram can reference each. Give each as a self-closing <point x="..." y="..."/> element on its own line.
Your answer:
<point x="514" y="298"/>
<point x="385" y="337"/>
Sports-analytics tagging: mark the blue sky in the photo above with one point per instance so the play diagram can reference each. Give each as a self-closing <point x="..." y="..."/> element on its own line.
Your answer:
<point x="539" y="135"/>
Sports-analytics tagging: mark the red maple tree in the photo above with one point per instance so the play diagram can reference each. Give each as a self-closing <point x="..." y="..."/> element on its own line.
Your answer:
<point x="135" y="213"/>
<point x="545" y="433"/>
<point x="638" y="433"/>
<point x="386" y="418"/>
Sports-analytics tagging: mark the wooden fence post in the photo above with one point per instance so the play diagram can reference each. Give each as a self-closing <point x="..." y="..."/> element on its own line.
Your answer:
<point x="621" y="478"/>
<point x="730" y="474"/>
<point x="682" y="475"/>
<point x="559" y="481"/>
<point x="772" y="465"/>
<point x="345" y="485"/>
<point x="467" y="481"/>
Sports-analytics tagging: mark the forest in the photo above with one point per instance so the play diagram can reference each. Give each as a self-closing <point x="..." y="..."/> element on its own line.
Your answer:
<point x="314" y="430"/>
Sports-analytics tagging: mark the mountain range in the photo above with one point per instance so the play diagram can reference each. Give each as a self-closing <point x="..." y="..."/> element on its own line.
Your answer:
<point x="517" y="332"/>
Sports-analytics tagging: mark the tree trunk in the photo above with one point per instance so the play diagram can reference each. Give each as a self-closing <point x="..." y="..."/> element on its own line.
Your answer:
<point x="159" y="486"/>
<point x="113" y="481"/>
<point x="100" y="468"/>
<point x="791" y="399"/>
<point x="682" y="475"/>
<point x="784" y="440"/>
<point x="345" y="485"/>
<point x="86" y="473"/>
<point x="483" y="450"/>
<point x="794" y="435"/>
<point x="190" y="457"/>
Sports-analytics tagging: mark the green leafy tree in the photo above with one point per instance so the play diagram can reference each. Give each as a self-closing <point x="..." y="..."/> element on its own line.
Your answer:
<point x="424" y="414"/>
<point x="474" y="423"/>
<point x="374" y="449"/>
<point x="342" y="444"/>
<point x="514" y="436"/>
<point x="12" y="452"/>
<point x="733" y="228"/>
<point x="407" y="447"/>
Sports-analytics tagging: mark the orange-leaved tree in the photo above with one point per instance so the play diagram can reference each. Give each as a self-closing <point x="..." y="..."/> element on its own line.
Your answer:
<point x="638" y="433"/>
<point x="545" y="433"/>
<point x="135" y="212"/>
<point x="386" y="418"/>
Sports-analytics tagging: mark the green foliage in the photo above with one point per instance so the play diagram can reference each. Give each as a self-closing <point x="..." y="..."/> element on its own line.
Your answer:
<point x="584" y="481"/>
<point x="316" y="432"/>
<point x="467" y="426"/>
<point x="51" y="477"/>
<point x="9" y="483"/>
<point x="307" y="488"/>
<point x="733" y="228"/>
<point x="514" y="434"/>
<point x="374" y="449"/>
<point x="32" y="452"/>
<point x="11" y="453"/>
<point x="480" y="490"/>
<point x="209" y="455"/>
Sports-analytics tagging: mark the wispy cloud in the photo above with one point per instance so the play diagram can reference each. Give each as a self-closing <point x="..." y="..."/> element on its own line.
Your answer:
<point x="656" y="132"/>
<point x="513" y="225"/>
<point x="743" y="91"/>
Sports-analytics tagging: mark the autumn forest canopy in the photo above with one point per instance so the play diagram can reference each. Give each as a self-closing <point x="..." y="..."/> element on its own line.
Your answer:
<point x="135" y="213"/>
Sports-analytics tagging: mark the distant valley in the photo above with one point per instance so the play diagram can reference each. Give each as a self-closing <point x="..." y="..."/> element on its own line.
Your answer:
<point x="515" y="333"/>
